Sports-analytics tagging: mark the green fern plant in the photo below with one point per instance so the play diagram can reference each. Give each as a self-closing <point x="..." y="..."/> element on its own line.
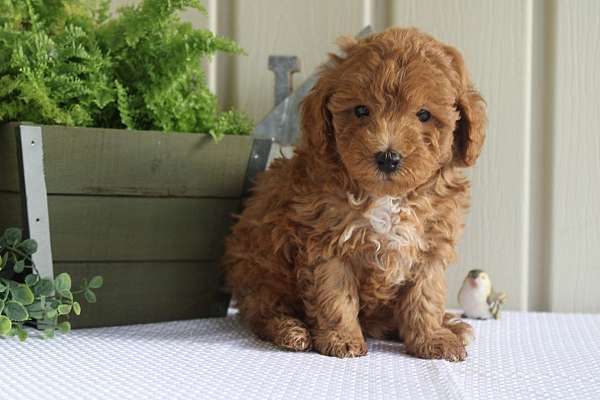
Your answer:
<point x="65" y="62"/>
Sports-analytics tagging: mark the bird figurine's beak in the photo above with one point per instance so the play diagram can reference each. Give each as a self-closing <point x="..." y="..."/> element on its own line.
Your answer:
<point x="473" y="282"/>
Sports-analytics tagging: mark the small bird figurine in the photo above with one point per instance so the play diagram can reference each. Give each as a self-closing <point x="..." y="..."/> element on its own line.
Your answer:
<point x="477" y="297"/>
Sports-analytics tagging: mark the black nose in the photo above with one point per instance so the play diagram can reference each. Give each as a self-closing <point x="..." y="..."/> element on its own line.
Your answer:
<point x="388" y="161"/>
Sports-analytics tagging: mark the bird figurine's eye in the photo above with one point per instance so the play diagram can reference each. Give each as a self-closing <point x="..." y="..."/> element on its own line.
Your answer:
<point x="423" y="115"/>
<point x="361" y="111"/>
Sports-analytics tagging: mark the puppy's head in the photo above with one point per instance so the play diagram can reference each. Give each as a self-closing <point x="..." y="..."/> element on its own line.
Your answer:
<point x="394" y="109"/>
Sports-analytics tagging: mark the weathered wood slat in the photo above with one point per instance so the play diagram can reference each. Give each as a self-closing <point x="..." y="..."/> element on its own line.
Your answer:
<point x="9" y="165"/>
<point x="121" y="162"/>
<point x="11" y="211"/>
<point x="85" y="228"/>
<point x="148" y="292"/>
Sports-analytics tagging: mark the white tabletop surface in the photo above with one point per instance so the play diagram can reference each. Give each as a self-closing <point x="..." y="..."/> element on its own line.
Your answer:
<point x="521" y="356"/>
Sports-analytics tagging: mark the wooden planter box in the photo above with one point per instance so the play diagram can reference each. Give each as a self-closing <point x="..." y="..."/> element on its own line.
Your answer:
<point x="146" y="210"/>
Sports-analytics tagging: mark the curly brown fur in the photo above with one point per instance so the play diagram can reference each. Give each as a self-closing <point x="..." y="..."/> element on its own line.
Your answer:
<point x="329" y="248"/>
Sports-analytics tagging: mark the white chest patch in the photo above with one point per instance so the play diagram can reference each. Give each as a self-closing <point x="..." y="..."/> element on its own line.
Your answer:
<point x="394" y="224"/>
<point x="391" y="227"/>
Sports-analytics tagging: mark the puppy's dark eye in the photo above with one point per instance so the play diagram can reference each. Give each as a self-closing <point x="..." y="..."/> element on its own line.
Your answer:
<point x="423" y="115"/>
<point x="361" y="111"/>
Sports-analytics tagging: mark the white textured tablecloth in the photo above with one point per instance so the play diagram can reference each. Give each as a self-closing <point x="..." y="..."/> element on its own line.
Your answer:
<point x="522" y="356"/>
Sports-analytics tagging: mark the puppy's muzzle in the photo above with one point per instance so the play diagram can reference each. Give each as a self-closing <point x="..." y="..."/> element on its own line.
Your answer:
<point x="388" y="161"/>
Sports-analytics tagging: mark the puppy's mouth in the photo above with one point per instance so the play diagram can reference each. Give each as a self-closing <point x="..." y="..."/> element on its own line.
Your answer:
<point x="389" y="184"/>
<point x="388" y="176"/>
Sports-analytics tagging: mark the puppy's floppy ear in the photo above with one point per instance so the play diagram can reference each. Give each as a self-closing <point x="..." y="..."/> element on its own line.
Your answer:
<point x="317" y="127"/>
<point x="316" y="123"/>
<point x="469" y="133"/>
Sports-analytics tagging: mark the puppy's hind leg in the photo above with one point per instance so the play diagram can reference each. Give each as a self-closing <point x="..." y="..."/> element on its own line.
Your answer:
<point x="273" y="321"/>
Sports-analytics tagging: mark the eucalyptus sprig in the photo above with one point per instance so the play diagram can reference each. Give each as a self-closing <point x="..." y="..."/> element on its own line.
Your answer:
<point x="43" y="302"/>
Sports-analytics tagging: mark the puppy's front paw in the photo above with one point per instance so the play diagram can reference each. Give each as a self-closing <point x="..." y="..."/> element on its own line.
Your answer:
<point x="339" y="344"/>
<point x="441" y="344"/>
<point x="293" y="335"/>
<point x="460" y="328"/>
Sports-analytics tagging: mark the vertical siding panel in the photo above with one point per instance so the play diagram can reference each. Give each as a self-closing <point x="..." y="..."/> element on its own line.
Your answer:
<point x="212" y="25"/>
<point x="541" y="154"/>
<point x="493" y="37"/>
<point x="575" y="245"/>
<point x="224" y="64"/>
<point x="380" y="14"/>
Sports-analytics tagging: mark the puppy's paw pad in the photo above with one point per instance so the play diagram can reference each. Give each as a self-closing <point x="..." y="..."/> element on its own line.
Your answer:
<point x="461" y="329"/>
<point x="443" y="344"/>
<point x="340" y="345"/>
<point x="294" y="337"/>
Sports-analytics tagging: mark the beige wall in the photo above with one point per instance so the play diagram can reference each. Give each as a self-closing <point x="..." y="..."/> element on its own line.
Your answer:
<point x="574" y="117"/>
<point x="535" y="222"/>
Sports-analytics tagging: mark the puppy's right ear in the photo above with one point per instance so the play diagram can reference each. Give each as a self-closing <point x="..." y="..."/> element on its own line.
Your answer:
<point x="317" y="127"/>
<point x="470" y="129"/>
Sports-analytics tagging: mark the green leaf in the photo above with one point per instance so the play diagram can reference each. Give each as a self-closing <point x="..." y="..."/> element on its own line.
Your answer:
<point x="3" y="260"/>
<point x="13" y="236"/>
<point x="29" y="246"/>
<point x="1" y="306"/>
<point x="66" y="294"/>
<point x="64" y="326"/>
<point x="5" y="325"/>
<point x="64" y="309"/>
<point x="22" y="294"/>
<point x="62" y="282"/>
<point x="3" y="287"/>
<point x="51" y="313"/>
<point x="36" y="306"/>
<point x="32" y="280"/>
<point x="19" y="266"/>
<point x="96" y="282"/>
<point x="89" y="296"/>
<point x="44" y="288"/>
<point x="36" y="314"/>
<point x="15" y="311"/>
<point x="48" y="333"/>
<point x="22" y="334"/>
<point x="76" y="308"/>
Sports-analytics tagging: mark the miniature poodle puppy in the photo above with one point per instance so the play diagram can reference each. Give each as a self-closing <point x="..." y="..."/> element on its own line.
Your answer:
<point x="351" y="237"/>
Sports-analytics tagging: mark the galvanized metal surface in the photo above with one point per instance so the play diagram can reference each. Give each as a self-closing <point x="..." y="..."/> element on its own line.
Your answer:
<point x="36" y="198"/>
<point x="283" y="124"/>
<point x="259" y="158"/>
